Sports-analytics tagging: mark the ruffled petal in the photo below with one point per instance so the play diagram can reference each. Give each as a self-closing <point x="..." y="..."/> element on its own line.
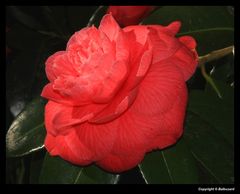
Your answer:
<point x="171" y="123"/>
<point x="134" y="133"/>
<point x="70" y="97"/>
<point x="69" y="148"/>
<point x="109" y="26"/>
<point x="164" y="44"/>
<point x="98" y="138"/>
<point x="122" y="47"/>
<point x="159" y="89"/>
<point x="82" y="37"/>
<point x="141" y="54"/>
<point x="83" y="142"/>
<point x="57" y="64"/>
<point x="113" y="110"/>
<point x="138" y="69"/>
<point x="60" y="118"/>
<point x="188" y="41"/>
<point x="50" y="94"/>
<point x="141" y="33"/>
<point x="118" y="163"/>
<point x="174" y="27"/>
<point x="186" y="57"/>
<point x="137" y="130"/>
<point x="113" y="80"/>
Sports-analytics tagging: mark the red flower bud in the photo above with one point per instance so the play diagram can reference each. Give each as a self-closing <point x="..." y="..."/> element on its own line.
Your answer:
<point x="129" y="15"/>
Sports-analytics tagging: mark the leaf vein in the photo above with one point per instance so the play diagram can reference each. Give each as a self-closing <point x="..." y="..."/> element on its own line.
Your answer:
<point x="199" y="160"/>
<point x="79" y="174"/>
<point x="169" y="172"/>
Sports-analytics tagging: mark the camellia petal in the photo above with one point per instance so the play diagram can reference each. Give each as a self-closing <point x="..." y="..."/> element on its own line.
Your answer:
<point x="120" y="104"/>
<point x="188" y="41"/>
<point x="59" y="118"/>
<point x="164" y="44"/>
<point x="69" y="147"/>
<point x="119" y="163"/>
<point x="159" y="97"/>
<point x="51" y="66"/>
<point x="186" y="59"/>
<point x="110" y="27"/>
<point x="98" y="138"/>
<point x="172" y="29"/>
<point x="171" y="123"/>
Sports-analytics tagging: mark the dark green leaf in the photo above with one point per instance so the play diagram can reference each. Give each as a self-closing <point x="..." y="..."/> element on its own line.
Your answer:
<point x="210" y="149"/>
<point x="222" y="69"/>
<point x="211" y="26"/>
<point x="174" y="165"/>
<point x="27" y="132"/>
<point x="219" y="113"/>
<point x="227" y="93"/>
<point x="35" y="166"/>
<point x="57" y="171"/>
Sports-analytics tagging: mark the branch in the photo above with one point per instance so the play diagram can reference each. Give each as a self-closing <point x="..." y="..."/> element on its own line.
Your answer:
<point x="210" y="80"/>
<point x="215" y="55"/>
<point x="211" y="57"/>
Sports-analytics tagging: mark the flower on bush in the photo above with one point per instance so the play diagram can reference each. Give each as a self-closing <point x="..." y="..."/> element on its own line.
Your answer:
<point x="129" y="15"/>
<point x="116" y="94"/>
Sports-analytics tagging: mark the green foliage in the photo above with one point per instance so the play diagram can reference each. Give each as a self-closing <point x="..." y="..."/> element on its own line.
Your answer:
<point x="205" y="104"/>
<point x="174" y="165"/>
<point x="57" y="171"/>
<point x="210" y="149"/>
<point x="27" y="132"/>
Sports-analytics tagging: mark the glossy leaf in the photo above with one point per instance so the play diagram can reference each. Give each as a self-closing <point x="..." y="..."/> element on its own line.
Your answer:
<point x="57" y="171"/>
<point x="35" y="166"/>
<point x="222" y="69"/>
<point x="173" y="165"/>
<point x="211" y="26"/>
<point x="219" y="113"/>
<point x="227" y="93"/>
<point x="210" y="149"/>
<point x="26" y="134"/>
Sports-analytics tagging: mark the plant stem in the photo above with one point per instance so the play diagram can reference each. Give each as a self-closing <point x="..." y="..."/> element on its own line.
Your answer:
<point x="209" y="79"/>
<point x="215" y="55"/>
<point x="211" y="57"/>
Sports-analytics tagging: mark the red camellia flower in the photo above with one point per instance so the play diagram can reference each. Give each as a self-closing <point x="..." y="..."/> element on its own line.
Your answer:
<point x="129" y="15"/>
<point x="116" y="94"/>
